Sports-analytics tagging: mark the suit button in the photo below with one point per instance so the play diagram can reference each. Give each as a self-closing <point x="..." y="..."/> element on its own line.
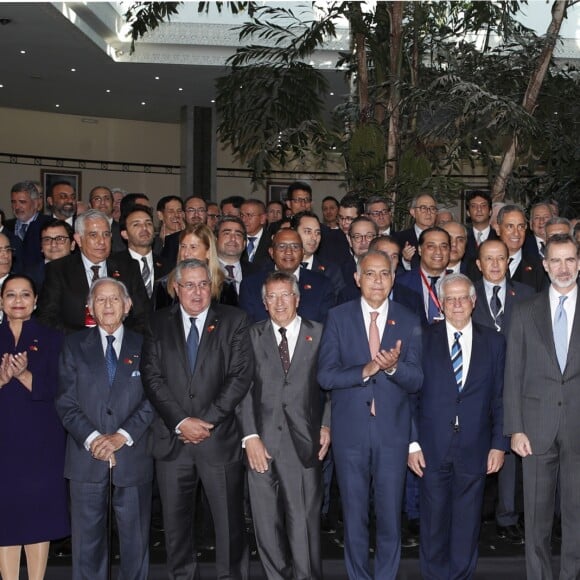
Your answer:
<point x="191" y="396"/>
<point x="458" y="400"/>
<point x="559" y="403"/>
<point x="284" y="406"/>
<point x="374" y="381"/>
<point x="285" y="383"/>
<point x="279" y="427"/>
<point x="109" y="412"/>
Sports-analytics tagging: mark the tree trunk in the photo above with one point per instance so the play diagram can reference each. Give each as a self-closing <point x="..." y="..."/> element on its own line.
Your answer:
<point x="531" y="96"/>
<point x="393" y="109"/>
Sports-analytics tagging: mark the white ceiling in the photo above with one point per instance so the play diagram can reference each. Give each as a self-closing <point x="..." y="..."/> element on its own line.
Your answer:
<point x="42" y="78"/>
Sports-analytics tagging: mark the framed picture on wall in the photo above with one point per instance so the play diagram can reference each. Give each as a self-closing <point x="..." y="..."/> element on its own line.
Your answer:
<point x="48" y="177"/>
<point x="276" y="191"/>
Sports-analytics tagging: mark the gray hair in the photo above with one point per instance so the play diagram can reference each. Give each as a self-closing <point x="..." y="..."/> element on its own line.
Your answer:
<point x="558" y="220"/>
<point x="190" y="265"/>
<point x="99" y="282"/>
<point x="416" y="199"/>
<point x="26" y="186"/>
<point x="456" y="277"/>
<point x="280" y="277"/>
<point x="510" y="208"/>
<point x="376" y="199"/>
<point x="371" y="253"/>
<point x="89" y="216"/>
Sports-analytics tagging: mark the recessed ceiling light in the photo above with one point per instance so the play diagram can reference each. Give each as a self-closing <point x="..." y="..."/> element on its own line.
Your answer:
<point x="22" y="52"/>
<point x="213" y="100"/>
<point x="57" y="106"/>
<point x="331" y="94"/>
<point x="108" y="91"/>
<point x="1" y="86"/>
<point x="180" y="89"/>
<point x="143" y="103"/>
<point x="156" y="78"/>
<point x="73" y="70"/>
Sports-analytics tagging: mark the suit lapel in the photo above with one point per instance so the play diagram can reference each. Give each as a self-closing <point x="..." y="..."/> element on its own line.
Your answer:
<point x="129" y="359"/>
<point x="78" y="274"/>
<point x="269" y="345"/>
<point x="211" y="329"/>
<point x="178" y="338"/>
<point x="543" y="322"/>
<point x="573" y="351"/>
<point x="90" y="345"/>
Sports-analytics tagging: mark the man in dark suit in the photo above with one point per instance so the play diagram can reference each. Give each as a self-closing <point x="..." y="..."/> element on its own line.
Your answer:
<point x="26" y="226"/>
<point x="370" y="360"/>
<point x="103" y="407"/>
<point x="459" y="431"/>
<point x="253" y="214"/>
<point x="62" y="201"/>
<point x="478" y="209"/>
<point x="542" y="405"/>
<point x="63" y="301"/>
<point x="424" y="211"/>
<point x="197" y="365"/>
<point x="496" y="296"/>
<point x="315" y="289"/>
<point x="101" y="199"/>
<point x="285" y="436"/>
<point x="524" y="267"/>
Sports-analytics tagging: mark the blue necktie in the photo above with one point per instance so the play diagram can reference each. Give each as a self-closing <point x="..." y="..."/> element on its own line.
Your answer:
<point x="457" y="361"/>
<point x="251" y="243"/>
<point x="496" y="308"/>
<point x="22" y="231"/>
<point x="192" y="341"/>
<point x="561" y="333"/>
<point x="111" y="359"/>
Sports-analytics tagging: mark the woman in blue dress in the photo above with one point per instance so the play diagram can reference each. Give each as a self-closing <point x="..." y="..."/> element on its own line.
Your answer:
<point x="33" y="498"/>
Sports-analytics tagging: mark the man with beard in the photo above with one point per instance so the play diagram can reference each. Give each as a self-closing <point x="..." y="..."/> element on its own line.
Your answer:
<point x="62" y="200"/>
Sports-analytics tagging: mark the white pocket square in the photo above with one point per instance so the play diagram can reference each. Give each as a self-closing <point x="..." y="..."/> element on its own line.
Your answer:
<point x="135" y="374"/>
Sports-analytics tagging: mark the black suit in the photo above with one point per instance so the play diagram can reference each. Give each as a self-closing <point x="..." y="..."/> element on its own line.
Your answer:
<point x="28" y="252"/>
<point x="261" y="255"/>
<point x="530" y="271"/>
<point x="223" y="371"/>
<point x="471" y="248"/>
<point x="62" y="302"/>
<point x="409" y="236"/>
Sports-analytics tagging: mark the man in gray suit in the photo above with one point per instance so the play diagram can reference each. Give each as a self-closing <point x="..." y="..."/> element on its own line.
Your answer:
<point x="542" y="405"/>
<point x="285" y="435"/>
<point x="102" y="406"/>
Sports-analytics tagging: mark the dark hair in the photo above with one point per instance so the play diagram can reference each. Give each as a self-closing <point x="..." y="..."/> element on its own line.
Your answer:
<point x="363" y="219"/>
<point x="166" y="199"/>
<point x="297" y="185"/>
<point x="229" y="218"/>
<point x="331" y="198"/>
<point x="28" y="187"/>
<point x="18" y="277"/>
<point x="257" y="202"/>
<point x="235" y="200"/>
<point x="130" y="200"/>
<point x="132" y="209"/>
<point x="433" y="229"/>
<point x="560" y="239"/>
<point x="100" y="187"/>
<point x="472" y="193"/>
<point x="297" y="218"/>
<point x="59" y="224"/>
<point x="350" y="200"/>
<point x="383" y="238"/>
<point x="61" y="182"/>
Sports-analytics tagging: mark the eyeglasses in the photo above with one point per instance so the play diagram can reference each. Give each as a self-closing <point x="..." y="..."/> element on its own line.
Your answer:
<point x="379" y="212"/>
<point x="426" y="208"/>
<point x="202" y="286"/>
<point x="58" y="240"/>
<point x="197" y="210"/>
<point x="360" y="237"/>
<point x="347" y="218"/>
<point x="6" y="250"/>
<point x="284" y="296"/>
<point x="301" y="200"/>
<point x="99" y="199"/>
<point x="293" y="247"/>
<point x="102" y="300"/>
<point x="452" y="300"/>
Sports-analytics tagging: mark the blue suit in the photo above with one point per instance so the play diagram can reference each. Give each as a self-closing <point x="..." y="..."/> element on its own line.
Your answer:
<point x="316" y="296"/>
<point x="456" y="431"/>
<point x="86" y="403"/>
<point x="366" y="448"/>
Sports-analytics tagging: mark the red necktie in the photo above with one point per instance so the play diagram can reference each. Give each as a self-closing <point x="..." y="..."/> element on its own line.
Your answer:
<point x="374" y="346"/>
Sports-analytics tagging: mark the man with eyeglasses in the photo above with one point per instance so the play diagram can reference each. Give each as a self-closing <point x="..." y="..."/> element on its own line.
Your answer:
<point x="62" y="303"/>
<point x="361" y="233"/>
<point x="287" y="253"/>
<point x="424" y="211"/>
<point x="196" y="367"/>
<point x="253" y="214"/>
<point x="458" y="431"/>
<point x="101" y="199"/>
<point x="171" y="220"/>
<point x="540" y="213"/>
<point x="213" y="214"/>
<point x="370" y="361"/>
<point x="378" y="210"/>
<point x="26" y="226"/>
<point x="285" y="435"/>
<point x="57" y="241"/>
<point x="523" y="266"/>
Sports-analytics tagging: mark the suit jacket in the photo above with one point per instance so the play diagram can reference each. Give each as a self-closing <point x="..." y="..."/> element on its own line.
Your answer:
<point x="333" y="246"/>
<point x="409" y="236"/>
<point x="86" y="403"/>
<point x="331" y="271"/>
<point x="344" y="352"/>
<point x="28" y="252"/>
<point x="471" y="248"/>
<point x="222" y="376"/>
<point x="530" y="271"/>
<point x="275" y="398"/>
<point x="538" y="397"/>
<point x="262" y="257"/>
<point x="478" y="406"/>
<point x="412" y="280"/>
<point x="229" y="293"/>
<point x="316" y="296"/>
<point x="62" y="302"/>
<point x="160" y="267"/>
<point x="515" y="292"/>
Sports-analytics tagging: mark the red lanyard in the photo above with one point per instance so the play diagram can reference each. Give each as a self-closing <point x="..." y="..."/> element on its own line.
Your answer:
<point x="430" y="290"/>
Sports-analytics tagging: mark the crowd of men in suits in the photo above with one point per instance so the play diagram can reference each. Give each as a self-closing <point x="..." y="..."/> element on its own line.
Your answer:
<point x="334" y="345"/>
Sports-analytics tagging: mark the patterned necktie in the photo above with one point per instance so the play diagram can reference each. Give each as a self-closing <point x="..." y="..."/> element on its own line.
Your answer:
<point x="374" y="346"/>
<point x="192" y="342"/>
<point x="22" y="231"/>
<point x="251" y="244"/>
<point x="96" y="270"/>
<point x="111" y="359"/>
<point x="479" y="238"/>
<point x="496" y="308"/>
<point x="542" y="249"/>
<point x="561" y="333"/>
<point x="146" y="275"/>
<point x="457" y="361"/>
<point x="230" y="271"/>
<point x="284" y="351"/>
<point x="433" y="312"/>
<point x="304" y="265"/>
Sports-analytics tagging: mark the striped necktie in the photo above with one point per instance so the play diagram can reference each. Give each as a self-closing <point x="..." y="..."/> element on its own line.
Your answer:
<point x="457" y="361"/>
